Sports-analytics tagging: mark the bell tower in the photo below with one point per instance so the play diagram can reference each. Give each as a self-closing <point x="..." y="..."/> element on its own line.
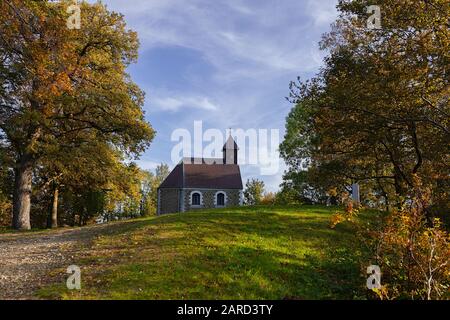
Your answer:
<point x="230" y="151"/>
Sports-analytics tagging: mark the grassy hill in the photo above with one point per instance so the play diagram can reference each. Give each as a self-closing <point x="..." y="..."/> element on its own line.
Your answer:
<point x="240" y="253"/>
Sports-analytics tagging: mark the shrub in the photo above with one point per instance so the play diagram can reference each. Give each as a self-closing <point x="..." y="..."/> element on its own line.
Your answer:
<point x="411" y="247"/>
<point x="268" y="199"/>
<point x="413" y="251"/>
<point x="287" y="196"/>
<point x="413" y="256"/>
<point x="349" y="214"/>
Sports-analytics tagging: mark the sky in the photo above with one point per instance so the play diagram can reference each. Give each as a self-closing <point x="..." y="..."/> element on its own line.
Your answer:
<point x="227" y="63"/>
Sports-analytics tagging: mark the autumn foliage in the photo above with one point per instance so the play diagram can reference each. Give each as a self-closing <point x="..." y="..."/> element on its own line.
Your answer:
<point x="378" y="114"/>
<point x="413" y="252"/>
<point x="69" y="110"/>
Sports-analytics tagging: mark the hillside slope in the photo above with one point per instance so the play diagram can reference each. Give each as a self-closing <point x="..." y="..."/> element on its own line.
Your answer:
<point x="28" y="260"/>
<point x="241" y="253"/>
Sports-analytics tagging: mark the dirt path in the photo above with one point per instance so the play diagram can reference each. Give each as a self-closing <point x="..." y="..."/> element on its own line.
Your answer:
<point x="27" y="260"/>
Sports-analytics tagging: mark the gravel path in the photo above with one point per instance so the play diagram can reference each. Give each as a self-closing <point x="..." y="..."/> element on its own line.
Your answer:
<point x="28" y="261"/>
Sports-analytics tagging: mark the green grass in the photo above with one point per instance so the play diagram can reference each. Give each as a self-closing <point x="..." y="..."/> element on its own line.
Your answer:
<point x="240" y="253"/>
<point x="5" y="229"/>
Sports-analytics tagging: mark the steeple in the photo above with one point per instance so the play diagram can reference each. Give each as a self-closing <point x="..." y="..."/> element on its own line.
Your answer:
<point x="230" y="151"/>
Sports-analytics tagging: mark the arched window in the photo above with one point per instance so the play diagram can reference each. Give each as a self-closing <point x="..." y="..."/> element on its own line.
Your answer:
<point x="220" y="199"/>
<point x="196" y="198"/>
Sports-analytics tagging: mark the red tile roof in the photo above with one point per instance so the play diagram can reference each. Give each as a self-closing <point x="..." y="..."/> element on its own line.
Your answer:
<point x="208" y="176"/>
<point x="174" y="179"/>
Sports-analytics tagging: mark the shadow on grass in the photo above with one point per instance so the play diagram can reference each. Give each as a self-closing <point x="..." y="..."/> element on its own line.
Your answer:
<point x="246" y="253"/>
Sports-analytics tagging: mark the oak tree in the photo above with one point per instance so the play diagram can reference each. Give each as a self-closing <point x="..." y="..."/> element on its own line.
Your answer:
<point x="59" y="86"/>
<point x="378" y="111"/>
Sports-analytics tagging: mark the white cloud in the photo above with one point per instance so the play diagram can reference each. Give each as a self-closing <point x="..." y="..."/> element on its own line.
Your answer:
<point x="323" y="12"/>
<point x="175" y="103"/>
<point x="239" y="38"/>
<point x="250" y="49"/>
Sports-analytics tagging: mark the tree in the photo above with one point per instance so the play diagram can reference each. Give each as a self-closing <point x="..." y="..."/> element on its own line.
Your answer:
<point x="5" y="189"/>
<point x="124" y="197"/>
<point x="62" y="87"/>
<point x="309" y="186"/>
<point x="378" y="111"/>
<point x="91" y="166"/>
<point x="161" y="173"/>
<point x="149" y="189"/>
<point x="253" y="193"/>
<point x="378" y="114"/>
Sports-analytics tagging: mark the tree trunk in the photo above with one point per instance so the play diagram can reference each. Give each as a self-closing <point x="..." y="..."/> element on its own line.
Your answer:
<point x="22" y="193"/>
<point x="53" y="219"/>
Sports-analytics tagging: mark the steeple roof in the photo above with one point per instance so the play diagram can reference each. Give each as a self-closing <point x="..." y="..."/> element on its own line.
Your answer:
<point x="230" y="144"/>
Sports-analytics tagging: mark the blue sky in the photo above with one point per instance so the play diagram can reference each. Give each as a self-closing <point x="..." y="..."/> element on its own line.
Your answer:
<point x="227" y="63"/>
